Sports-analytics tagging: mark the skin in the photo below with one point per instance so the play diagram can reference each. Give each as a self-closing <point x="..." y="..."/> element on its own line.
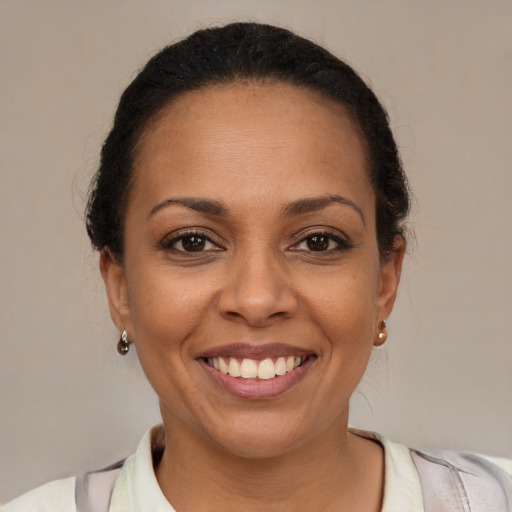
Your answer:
<point x="256" y="149"/>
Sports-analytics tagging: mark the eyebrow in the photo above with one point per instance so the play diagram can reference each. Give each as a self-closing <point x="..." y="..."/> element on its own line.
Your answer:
<point x="313" y="204"/>
<point x="200" y="205"/>
<point x="295" y="208"/>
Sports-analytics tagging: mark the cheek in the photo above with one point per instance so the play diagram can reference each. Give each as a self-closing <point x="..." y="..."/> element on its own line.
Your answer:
<point x="343" y="300"/>
<point x="165" y="305"/>
<point x="166" y="310"/>
<point x="343" y="307"/>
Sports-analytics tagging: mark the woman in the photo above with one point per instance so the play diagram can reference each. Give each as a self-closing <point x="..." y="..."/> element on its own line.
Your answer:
<point x="249" y="212"/>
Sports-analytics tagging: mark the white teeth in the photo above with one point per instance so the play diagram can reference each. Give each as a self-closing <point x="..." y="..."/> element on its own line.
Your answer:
<point x="280" y="366"/>
<point x="266" y="369"/>
<point x="234" y="367"/>
<point x="223" y="367"/>
<point x="249" y="369"/>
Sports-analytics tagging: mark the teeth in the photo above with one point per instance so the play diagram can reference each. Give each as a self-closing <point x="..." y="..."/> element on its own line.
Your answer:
<point x="223" y="367"/>
<point x="280" y="366"/>
<point x="251" y="368"/>
<point x="234" y="367"/>
<point x="266" y="369"/>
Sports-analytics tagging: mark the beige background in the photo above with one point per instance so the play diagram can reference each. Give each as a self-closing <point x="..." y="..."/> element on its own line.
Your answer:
<point x="443" y="68"/>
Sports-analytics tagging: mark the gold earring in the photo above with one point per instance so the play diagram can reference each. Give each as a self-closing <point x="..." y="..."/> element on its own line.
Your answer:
<point x="383" y="333"/>
<point x="123" y="345"/>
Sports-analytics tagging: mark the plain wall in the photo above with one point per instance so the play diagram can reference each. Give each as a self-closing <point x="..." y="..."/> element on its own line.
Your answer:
<point x="69" y="403"/>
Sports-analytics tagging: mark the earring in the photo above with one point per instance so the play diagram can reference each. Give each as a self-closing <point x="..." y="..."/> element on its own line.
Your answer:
<point x="383" y="334"/>
<point x="123" y="345"/>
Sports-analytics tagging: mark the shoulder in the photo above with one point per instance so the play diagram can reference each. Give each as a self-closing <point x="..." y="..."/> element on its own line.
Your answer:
<point x="484" y="483"/>
<point x="470" y="467"/>
<point x="57" y="496"/>
<point x="467" y="462"/>
<point x="116" y="484"/>
<point x="504" y="464"/>
<point x="441" y="480"/>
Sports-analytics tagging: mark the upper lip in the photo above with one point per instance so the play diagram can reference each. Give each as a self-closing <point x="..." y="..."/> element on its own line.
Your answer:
<point x="252" y="351"/>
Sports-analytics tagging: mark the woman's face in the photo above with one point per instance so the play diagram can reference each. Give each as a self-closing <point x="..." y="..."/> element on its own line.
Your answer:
<point x="250" y="247"/>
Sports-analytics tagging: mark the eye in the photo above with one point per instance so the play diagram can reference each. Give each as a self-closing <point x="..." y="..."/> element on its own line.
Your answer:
<point x="193" y="243"/>
<point x="322" y="242"/>
<point x="318" y="242"/>
<point x="190" y="242"/>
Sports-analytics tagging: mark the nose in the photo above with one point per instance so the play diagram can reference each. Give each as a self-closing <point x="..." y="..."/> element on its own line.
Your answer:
<point x="257" y="291"/>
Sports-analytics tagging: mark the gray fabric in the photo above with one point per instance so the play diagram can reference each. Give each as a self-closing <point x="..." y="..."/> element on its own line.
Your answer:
<point x="462" y="482"/>
<point x="94" y="490"/>
<point x="441" y="485"/>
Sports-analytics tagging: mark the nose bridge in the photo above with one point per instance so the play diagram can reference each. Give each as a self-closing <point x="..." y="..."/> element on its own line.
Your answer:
<point x="257" y="289"/>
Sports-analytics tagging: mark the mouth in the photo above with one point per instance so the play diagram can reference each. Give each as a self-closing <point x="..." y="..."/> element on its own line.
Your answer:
<point x="247" y="368"/>
<point x="257" y="372"/>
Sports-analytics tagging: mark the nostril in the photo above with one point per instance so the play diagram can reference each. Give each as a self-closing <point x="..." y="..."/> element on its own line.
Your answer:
<point x="233" y="314"/>
<point x="278" y="314"/>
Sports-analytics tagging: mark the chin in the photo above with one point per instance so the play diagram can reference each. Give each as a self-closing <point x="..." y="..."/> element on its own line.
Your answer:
<point x="260" y="436"/>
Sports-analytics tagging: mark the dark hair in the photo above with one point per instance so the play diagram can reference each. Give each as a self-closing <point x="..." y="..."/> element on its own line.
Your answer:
<point x="241" y="52"/>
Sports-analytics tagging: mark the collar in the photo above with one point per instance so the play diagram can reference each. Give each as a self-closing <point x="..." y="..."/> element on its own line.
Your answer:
<point x="137" y="488"/>
<point x="402" y="486"/>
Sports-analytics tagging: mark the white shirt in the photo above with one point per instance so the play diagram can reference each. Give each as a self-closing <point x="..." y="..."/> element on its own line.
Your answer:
<point x="137" y="489"/>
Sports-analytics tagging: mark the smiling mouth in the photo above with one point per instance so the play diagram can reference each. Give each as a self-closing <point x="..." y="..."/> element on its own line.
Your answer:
<point x="264" y="369"/>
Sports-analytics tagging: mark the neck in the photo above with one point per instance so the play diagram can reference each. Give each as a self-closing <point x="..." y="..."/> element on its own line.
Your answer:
<point x="335" y="471"/>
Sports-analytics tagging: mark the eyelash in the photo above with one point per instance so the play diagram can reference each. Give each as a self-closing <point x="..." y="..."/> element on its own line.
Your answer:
<point x="341" y="243"/>
<point x="169" y="244"/>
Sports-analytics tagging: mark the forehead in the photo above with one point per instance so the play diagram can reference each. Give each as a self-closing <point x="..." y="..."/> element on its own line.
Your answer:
<point x="272" y="136"/>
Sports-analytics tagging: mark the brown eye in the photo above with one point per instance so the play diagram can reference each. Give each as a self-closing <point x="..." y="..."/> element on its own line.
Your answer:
<point x="322" y="242"/>
<point x="318" y="243"/>
<point x="189" y="243"/>
<point x="194" y="243"/>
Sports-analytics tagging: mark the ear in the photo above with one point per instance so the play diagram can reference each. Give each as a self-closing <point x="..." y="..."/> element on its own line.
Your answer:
<point x="390" y="272"/>
<point x="115" y="284"/>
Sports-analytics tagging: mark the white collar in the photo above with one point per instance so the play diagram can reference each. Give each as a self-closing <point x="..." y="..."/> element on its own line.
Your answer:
<point x="402" y="486"/>
<point x="137" y="489"/>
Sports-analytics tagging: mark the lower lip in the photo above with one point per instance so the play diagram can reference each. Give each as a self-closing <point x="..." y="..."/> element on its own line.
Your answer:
<point x="256" y="389"/>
